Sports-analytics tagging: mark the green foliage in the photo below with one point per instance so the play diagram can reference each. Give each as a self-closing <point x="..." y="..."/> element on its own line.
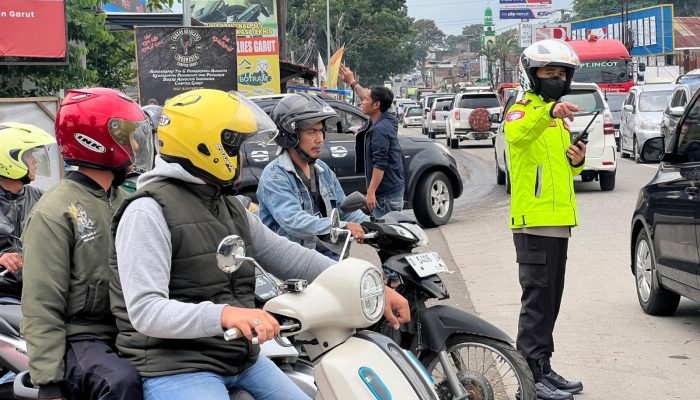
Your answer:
<point x="429" y="36"/>
<point x="107" y="56"/>
<point x="377" y="35"/>
<point x="497" y="53"/>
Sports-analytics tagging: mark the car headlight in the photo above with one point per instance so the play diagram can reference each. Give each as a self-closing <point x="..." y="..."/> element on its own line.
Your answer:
<point x="443" y="148"/>
<point x="372" y="294"/>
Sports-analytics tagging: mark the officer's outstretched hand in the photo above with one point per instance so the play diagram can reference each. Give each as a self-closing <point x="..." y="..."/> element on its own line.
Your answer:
<point x="396" y="309"/>
<point x="564" y="109"/>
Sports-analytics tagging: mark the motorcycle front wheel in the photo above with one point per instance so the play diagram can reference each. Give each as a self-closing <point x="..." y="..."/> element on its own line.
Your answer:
<point x="487" y="369"/>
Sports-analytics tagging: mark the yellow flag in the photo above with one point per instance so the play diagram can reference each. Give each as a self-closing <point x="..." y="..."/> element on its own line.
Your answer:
<point x="334" y="68"/>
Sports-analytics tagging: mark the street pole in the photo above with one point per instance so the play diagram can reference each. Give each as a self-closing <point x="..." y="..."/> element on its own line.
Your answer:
<point x="186" y="13"/>
<point x="328" y="32"/>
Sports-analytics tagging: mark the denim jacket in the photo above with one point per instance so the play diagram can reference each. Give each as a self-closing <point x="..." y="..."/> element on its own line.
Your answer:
<point x="286" y="206"/>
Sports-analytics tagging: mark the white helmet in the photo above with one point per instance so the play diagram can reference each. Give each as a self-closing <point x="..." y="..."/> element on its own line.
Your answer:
<point x="543" y="53"/>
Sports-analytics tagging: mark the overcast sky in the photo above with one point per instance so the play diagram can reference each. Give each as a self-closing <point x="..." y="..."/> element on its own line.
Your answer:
<point x="452" y="15"/>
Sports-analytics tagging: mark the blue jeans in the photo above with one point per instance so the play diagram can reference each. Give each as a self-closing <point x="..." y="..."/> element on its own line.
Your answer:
<point x="388" y="202"/>
<point x="264" y="381"/>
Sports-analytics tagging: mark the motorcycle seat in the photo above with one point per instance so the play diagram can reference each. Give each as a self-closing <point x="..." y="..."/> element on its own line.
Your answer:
<point x="10" y="318"/>
<point x="395" y="217"/>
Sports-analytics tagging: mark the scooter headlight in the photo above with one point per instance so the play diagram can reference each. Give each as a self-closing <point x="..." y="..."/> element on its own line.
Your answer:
<point x="412" y="232"/>
<point x="372" y="293"/>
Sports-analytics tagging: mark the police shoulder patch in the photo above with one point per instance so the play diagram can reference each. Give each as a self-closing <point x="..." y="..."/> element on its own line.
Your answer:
<point x="524" y="102"/>
<point x="514" y="115"/>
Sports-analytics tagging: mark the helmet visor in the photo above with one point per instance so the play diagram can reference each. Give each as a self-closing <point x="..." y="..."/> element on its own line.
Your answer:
<point x="263" y="122"/>
<point x="37" y="161"/>
<point x="136" y="138"/>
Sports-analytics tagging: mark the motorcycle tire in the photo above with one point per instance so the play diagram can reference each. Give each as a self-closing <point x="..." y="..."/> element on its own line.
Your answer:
<point x="503" y="373"/>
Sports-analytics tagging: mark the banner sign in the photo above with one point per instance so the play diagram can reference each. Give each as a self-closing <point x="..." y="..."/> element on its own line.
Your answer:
<point x="502" y="2"/>
<point x="32" y="28"/>
<point x="133" y="6"/>
<point x="172" y="60"/>
<point x="258" y="62"/>
<point x="525" y="11"/>
<point x="650" y="29"/>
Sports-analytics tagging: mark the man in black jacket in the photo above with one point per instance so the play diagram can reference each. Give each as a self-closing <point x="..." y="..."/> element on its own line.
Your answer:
<point x="383" y="158"/>
<point x="22" y="144"/>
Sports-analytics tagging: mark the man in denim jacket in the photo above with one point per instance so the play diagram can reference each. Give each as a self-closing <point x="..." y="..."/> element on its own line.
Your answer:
<point x="297" y="191"/>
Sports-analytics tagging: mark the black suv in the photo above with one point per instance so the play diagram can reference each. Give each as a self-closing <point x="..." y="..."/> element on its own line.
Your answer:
<point x="664" y="246"/>
<point x="432" y="179"/>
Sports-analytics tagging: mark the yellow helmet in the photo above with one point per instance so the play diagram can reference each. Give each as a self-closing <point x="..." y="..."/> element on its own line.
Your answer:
<point x="203" y="131"/>
<point x="17" y="141"/>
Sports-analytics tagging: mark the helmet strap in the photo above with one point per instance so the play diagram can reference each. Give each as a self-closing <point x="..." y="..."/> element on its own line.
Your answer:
<point x="307" y="159"/>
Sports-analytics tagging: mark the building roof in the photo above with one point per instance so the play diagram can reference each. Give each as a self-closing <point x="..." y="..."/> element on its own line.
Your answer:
<point x="687" y="33"/>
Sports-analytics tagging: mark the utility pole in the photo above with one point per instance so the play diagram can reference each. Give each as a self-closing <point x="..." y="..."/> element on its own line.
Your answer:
<point x="328" y="32"/>
<point x="186" y="13"/>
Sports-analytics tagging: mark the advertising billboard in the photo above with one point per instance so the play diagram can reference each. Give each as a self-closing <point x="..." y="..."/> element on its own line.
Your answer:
<point x="258" y="43"/>
<point x="33" y="28"/>
<point x="525" y="9"/>
<point x="651" y="29"/>
<point x="172" y="60"/>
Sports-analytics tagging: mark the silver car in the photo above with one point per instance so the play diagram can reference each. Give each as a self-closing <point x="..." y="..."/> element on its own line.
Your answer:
<point x="412" y="117"/>
<point x="641" y="117"/>
<point x="439" y="112"/>
<point x="672" y="114"/>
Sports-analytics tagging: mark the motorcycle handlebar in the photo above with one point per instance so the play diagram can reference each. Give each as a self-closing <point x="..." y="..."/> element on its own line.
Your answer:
<point x="235" y="333"/>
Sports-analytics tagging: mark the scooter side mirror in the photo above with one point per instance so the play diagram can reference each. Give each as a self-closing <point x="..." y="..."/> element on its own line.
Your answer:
<point x="230" y="254"/>
<point x="354" y="201"/>
<point x="335" y="226"/>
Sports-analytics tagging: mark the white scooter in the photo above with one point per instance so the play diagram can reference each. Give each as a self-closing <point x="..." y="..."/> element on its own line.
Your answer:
<point x="325" y="316"/>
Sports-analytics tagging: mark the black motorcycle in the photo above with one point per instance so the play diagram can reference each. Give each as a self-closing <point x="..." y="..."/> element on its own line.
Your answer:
<point x="466" y="356"/>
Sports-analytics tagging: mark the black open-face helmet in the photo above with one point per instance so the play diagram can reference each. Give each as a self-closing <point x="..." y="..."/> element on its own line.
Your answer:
<point x="298" y="110"/>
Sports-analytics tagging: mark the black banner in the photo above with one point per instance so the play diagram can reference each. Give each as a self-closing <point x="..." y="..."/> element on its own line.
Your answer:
<point x="172" y="60"/>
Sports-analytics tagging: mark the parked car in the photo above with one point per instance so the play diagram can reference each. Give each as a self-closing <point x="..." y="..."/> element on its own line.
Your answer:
<point x="641" y="117"/>
<point x="438" y="114"/>
<point x="679" y="99"/>
<point x="664" y="245"/>
<point x="427" y="102"/>
<point x="430" y="172"/>
<point x="600" y="150"/>
<point x="458" y="126"/>
<point x="691" y="76"/>
<point x="615" y="101"/>
<point x="412" y="117"/>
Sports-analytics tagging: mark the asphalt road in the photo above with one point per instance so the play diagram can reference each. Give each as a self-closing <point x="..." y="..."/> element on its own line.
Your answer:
<point x="602" y="335"/>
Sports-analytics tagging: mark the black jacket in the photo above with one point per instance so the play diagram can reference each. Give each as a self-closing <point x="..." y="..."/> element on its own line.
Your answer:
<point x="378" y="143"/>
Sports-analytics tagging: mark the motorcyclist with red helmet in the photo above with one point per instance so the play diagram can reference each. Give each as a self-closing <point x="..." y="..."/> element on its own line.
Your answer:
<point x="67" y="322"/>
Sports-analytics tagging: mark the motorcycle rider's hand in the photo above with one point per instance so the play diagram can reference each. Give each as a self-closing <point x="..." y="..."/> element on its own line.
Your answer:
<point x="356" y="230"/>
<point x="371" y="201"/>
<point x="250" y="320"/>
<point x="396" y="309"/>
<point x="564" y="110"/>
<point x="11" y="261"/>
<point x="576" y="153"/>
<point x="345" y="74"/>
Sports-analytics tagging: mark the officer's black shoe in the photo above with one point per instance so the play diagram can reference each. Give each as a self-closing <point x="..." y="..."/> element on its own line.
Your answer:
<point x="547" y="391"/>
<point x="559" y="381"/>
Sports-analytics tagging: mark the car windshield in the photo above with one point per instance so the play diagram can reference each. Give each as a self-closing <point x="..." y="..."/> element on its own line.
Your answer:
<point x="688" y="79"/>
<point x="607" y="71"/>
<point x="615" y="101"/>
<point x="474" y="101"/>
<point x="654" y="101"/>
<point x="588" y="101"/>
<point x="413" y="112"/>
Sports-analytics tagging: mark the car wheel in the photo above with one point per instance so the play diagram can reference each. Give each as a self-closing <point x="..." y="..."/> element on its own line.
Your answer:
<point x="623" y="154"/>
<point x="654" y="299"/>
<point x="405" y="126"/>
<point x="493" y="142"/>
<point x="454" y="143"/>
<point x="500" y="175"/>
<point x="607" y="180"/>
<point x="434" y="200"/>
<point x="431" y="135"/>
<point x="448" y="141"/>
<point x="635" y="151"/>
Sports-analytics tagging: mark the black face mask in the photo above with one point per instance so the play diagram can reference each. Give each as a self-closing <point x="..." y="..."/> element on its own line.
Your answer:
<point x="552" y="88"/>
<point x="119" y="177"/>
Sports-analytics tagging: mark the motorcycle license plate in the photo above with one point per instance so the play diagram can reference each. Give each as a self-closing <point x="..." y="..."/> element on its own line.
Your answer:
<point x="426" y="264"/>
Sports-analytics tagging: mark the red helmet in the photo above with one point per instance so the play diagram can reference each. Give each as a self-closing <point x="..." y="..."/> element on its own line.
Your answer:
<point x="97" y="127"/>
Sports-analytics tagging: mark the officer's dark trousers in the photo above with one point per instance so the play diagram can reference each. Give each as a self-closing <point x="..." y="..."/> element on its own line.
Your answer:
<point x="542" y="264"/>
<point x="93" y="371"/>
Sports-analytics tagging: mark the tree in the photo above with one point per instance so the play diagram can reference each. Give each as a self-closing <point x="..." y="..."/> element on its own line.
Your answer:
<point x="473" y="34"/>
<point x="107" y="56"/>
<point x="452" y="41"/>
<point x="428" y="37"/>
<point x="506" y="44"/>
<point x="377" y="35"/>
